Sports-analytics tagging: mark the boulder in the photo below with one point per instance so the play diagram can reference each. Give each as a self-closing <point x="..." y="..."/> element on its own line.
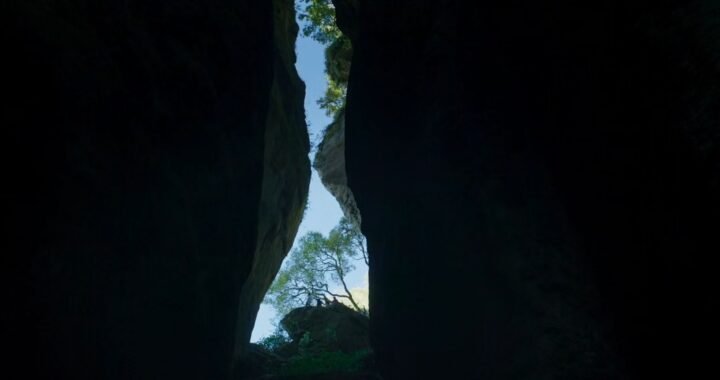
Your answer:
<point x="328" y="328"/>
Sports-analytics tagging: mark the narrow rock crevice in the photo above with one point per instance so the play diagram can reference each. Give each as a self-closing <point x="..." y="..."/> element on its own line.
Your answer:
<point x="286" y="174"/>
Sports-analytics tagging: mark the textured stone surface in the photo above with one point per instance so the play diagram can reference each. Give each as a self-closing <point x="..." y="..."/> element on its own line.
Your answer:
<point x="330" y="165"/>
<point x="135" y="146"/>
<point x="286" y="175"/>
<point x="331" y="328"/>
<point x="538" y="184"/>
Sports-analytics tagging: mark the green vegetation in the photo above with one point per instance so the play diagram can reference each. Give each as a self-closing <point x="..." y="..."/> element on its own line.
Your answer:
<point x="324" y="362"/>
<point x="314" y="265"/>
<point x="319" y="21"/>
<point x="311" y="361"/>
<point x="273" y="342"/>
<point x="309" y="356"/>
<point x="334" y="99"/>
<point x="319" y="264"/>
<point x="337" y="60"/>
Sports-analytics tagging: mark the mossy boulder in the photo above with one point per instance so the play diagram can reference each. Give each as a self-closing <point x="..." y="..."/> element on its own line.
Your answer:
<point x="333" y="328"/>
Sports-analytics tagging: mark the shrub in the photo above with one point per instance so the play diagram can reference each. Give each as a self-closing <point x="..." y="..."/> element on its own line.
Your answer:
<point x="275" y="341"/>
<point x="324" y="362"/>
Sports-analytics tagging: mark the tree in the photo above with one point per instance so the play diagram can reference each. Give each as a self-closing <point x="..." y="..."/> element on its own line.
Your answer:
<point x="319" y="20"/>
<point x="334" y="99"/>
<point x="320" y="24"/>
<point x="357" y="239"/>
<point x="338" y="56"/>
<point x="314" y="265"/>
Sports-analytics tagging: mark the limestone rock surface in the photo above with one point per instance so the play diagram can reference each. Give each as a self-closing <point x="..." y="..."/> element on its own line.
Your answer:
<point x="330" y="165"/>
<point x="154" y="155"/>
<point x="539" y="181"/>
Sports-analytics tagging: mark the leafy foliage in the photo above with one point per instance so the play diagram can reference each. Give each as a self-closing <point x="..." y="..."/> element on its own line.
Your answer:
<point x="304" y="345"/>
<point x="275" y="341"/>
<point x="334" y="99"/>
<point x="320" y="24"/>
<point x="317" y="262"/>
<point x="319" y="18"/>
<point x="338" y="56"/>
<point x="312" y="359"/>
<point x="324" y="362"/>
<point x="337" y="68"/>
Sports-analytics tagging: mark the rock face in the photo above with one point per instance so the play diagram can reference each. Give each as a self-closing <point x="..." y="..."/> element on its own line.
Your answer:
<point x="332" y="328"/>
<point x="147" y="198"/>
<point x="286" y="175"/>
<point x="330" y="165"/>
<point x="538" y="184"/>
<point x="328" y="342"/>
<point x="256" y="362"/>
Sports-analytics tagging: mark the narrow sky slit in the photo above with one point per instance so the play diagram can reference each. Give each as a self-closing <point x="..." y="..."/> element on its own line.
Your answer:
<point x="323" y="212"/>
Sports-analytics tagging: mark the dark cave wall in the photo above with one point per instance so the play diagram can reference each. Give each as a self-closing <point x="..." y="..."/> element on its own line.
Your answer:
<point x="286" y="176"/>
<point x="133" y="159"/>
<point x="538" y="184"/>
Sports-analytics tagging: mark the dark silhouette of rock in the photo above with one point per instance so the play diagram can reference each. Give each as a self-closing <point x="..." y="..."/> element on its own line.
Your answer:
<point x="256" y="362"/>
<point x="550" y="171"/>
<point x="155" y="171"/>
<point x="327" y="376"/>
<point x="332" y="328"/>
<point x="539" y="184"/>
<point x="286" y="175"/>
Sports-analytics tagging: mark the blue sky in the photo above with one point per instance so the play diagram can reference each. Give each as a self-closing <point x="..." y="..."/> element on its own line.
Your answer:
<point x="323" y="210"/>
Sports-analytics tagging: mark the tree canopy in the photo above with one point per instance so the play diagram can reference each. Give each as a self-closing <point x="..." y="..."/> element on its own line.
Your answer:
<point x="319" y="23"/>
<point x="319" y="20"/>
<point x="317" y="267"/>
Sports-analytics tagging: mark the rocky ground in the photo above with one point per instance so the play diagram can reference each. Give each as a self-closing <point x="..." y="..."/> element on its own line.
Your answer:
<point x="324" y="342"/>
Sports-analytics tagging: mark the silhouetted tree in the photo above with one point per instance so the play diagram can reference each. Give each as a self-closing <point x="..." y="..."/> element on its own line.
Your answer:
<point x="314" y="265"/>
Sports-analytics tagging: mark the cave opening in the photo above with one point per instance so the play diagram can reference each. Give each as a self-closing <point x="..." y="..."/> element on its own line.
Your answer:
<point x="539" y="184"/>
<point x="314" y="318"/>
